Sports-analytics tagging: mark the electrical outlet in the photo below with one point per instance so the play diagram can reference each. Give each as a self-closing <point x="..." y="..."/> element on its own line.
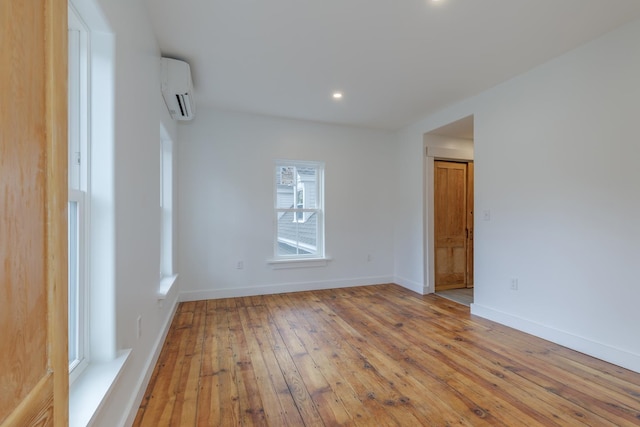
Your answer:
<point x="514" y="284"/>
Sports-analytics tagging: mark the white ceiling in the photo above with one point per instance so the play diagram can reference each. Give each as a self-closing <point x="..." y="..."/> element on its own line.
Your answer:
<point x="395" y="60"/>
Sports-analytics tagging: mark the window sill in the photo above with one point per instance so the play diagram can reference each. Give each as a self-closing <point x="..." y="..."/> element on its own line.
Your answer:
<point x="88" y="392"/>
<point x="166" y="283"/>
<point x="278" y="264"/>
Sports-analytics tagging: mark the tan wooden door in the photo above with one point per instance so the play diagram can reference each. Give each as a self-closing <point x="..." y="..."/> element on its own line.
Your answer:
<point x="470" y="225"/>
<point x="33" y="213"/>
<point x="453" y="225"/>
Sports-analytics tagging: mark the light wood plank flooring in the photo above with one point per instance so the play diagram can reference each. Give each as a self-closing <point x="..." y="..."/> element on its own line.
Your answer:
<point x="372" y="356"/>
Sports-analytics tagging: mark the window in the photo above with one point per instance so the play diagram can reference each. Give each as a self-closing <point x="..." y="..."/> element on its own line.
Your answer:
<point x="77" y="213"/>
<point x="167" y="276"/>
<point x="299" y="210"/>
<point x="91" y="222"/>
<point x="95" y="360"/>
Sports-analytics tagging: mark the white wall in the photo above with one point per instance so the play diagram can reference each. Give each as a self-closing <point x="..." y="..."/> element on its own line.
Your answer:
<point x="226" y="163"/>
<point x="408" y="198"/>
<point x="556" y="164"/>
<point x="136" y="188"/>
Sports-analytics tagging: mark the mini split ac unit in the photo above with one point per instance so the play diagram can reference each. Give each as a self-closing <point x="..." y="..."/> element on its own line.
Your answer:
<point x="177" y="88"/>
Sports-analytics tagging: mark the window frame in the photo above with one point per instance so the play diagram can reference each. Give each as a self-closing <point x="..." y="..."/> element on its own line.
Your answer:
<point x="166" y="207"/>
<point x="89" y="387"/>
<point x="78" y="181"/>
<point x="168" y="275"/>
<point x="306" y="212"/>
<point x="77" y="277"/>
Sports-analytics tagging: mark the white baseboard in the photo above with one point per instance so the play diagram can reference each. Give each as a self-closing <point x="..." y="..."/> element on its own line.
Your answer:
<point x="598" y="350"/>
<point x="132" y="409"/>
<point x="281" y="288"/>
<point x="411" y="285"/>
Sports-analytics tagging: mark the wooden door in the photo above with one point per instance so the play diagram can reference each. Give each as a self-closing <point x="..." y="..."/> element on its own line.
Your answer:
<point x="470" y="225"/>
<point x="453" y="225"/>
<point x="33" y="213"/>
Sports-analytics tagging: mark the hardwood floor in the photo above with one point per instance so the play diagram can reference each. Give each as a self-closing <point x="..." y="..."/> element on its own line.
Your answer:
<point x="372" y="356"/>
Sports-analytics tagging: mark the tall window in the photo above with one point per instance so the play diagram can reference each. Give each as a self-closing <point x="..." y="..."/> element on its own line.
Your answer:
<point x="78" y="69"/>
<point x="299" y="209"/>
<point x="166" y="207"/>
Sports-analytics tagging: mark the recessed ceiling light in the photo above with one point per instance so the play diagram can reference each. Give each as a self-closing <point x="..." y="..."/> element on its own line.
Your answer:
<point x="337" y="95"/>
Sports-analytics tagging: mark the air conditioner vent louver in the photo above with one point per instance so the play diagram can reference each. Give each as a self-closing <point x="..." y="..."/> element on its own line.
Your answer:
<point x="177" y="88"/>
<point x="184" y="102"/>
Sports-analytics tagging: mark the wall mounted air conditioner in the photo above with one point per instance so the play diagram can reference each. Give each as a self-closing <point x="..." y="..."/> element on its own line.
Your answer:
<point x="177" y="88"/>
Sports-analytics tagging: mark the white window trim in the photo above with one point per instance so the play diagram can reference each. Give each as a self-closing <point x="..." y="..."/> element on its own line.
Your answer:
<point x="280" y="264"/>
<point x="168" y="276"/>
<point x="93" y="385"/>
<point x="77" y="367"/>
<point x="78" y="181"/>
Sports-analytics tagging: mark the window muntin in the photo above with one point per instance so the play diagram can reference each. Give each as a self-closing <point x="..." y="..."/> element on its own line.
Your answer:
<point x="298" y="210"/>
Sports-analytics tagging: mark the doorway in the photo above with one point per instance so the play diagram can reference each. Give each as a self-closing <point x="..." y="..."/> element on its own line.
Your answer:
<point x="453" y="225"/>
<point x="453" y="144"/>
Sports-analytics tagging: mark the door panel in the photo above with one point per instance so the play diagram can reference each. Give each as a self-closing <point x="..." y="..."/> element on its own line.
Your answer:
<point x="450" y="224"/>
<point x="33" y="198"/>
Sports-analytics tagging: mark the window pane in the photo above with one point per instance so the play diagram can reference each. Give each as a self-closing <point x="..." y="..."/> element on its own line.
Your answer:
<point x="307" y="179"/>
<point x="74" y="254"/>
<point x="297" y="238"/>
<point x="285" y="187"/>
<point x="296" y="186"/>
